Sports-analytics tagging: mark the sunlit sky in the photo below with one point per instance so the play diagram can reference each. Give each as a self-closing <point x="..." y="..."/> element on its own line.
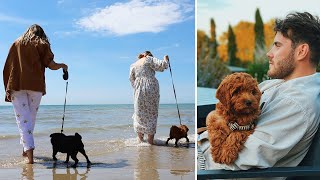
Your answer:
<point x="225" y="12"/>
<point x="99" y="40"/>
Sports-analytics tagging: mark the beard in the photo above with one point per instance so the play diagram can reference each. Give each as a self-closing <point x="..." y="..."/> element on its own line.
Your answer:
<point x="283" y="68"/>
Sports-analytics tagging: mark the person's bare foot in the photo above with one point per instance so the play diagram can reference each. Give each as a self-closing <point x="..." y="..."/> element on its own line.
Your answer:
<point x="140" y="136"/>
<point x="30" y="156"/>
<point x="24" y="154"/>
<point x="150" y="139"/>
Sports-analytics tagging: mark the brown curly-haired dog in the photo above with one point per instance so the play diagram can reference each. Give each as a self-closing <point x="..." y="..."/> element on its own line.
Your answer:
<point x="178" y="133"/>
<point x="233" y="120"/>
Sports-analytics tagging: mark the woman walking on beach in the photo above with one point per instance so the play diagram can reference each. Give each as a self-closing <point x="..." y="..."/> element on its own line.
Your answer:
<point x="24" y="81"/>
<point x="146" y="93"/>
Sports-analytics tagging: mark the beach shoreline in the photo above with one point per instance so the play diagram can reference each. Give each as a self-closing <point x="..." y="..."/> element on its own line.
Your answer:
<point x="132" y="162"/>
<point x="109" y="140"/>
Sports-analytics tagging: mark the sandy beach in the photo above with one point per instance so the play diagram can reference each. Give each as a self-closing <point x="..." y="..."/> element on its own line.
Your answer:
<point x="29" y="173"/>
<point x="110" y="143"/>
<point x="139" y="161"/>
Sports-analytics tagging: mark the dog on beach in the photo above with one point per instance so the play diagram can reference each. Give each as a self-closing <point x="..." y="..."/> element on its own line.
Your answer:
<point x="178" y="133"/>
<point x="234" y="118"/>
<point x="68" y="144"/>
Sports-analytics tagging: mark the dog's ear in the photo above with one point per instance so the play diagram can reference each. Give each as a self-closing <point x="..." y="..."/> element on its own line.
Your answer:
<point x="77" y="135"/>
<point x="185" y="128"/>
<point x="222" y="92"/>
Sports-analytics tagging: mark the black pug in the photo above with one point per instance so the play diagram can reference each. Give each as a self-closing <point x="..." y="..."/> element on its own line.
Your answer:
<point x="68" y="144"/>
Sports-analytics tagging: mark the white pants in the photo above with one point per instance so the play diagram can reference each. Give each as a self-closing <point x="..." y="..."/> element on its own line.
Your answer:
<point x="26" y="104"/>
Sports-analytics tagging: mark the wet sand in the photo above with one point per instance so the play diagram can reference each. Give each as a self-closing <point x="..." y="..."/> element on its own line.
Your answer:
<point x="109" y="140"/>
<point x="28" y="173"/>
<point x="135" y="161"/>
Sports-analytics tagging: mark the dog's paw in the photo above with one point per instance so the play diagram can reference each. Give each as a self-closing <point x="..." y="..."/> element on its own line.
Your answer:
<point x="228" y="159"/>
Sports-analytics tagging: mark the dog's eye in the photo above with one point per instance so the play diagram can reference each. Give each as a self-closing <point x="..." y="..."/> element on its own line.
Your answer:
<point x="236" y="91"/>
<point x="254" y="92"/>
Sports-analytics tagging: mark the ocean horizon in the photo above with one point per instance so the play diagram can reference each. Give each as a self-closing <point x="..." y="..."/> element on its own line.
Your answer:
<point x="9" y="104"/>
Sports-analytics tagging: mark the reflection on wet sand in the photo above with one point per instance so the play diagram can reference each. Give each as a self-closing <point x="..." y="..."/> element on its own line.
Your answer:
<point x="65" y="174"/>
<point x="146" y="167"/>
<point x="142" y="162"/>
<point x="152" y="162"/>
<point x="57" y="174"/>
<point x="27" y="172"/>
<point x="178" y="159"/>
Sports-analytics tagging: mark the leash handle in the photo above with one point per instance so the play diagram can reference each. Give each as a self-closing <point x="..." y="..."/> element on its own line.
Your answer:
<point x="64" y="107"/>
<point x="174" y="90"/>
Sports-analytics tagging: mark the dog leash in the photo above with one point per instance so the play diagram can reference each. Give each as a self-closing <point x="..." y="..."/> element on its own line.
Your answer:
<point x="174" y="90"/>
<point x="65" y="77"/>
<point x="64" y="107"/>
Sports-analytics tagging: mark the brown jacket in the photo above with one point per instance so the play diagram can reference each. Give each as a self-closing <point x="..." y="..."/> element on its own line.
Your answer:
<point x="25" y="67"/>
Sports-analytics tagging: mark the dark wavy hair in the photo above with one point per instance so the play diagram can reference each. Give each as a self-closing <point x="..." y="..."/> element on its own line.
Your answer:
<point x="301" y="28"/>
<point x="148" y="53"/>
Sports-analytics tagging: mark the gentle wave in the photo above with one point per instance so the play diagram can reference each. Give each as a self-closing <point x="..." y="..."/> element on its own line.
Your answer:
<point x="101" y="148"/>
<point x="79" y="129"/>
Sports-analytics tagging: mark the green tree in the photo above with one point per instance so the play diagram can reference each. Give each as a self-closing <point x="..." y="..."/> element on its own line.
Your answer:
<point x="213" y="40"/>
<point x="210" y="71"/>
<point x="259" y="33"/>
<point x="232" y="47"/>
<point x="259" y="67"/>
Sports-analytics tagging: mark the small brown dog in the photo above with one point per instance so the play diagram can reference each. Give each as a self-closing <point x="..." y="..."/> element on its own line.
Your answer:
<point x="233" y="120"/>
<point x="178" y="133"/>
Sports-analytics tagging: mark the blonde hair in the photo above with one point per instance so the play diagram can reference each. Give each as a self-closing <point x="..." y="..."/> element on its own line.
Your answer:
<point x="34" y="33"/>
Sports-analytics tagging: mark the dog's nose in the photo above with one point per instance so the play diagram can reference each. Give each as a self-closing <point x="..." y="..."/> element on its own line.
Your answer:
<point x="248" y="102"/>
